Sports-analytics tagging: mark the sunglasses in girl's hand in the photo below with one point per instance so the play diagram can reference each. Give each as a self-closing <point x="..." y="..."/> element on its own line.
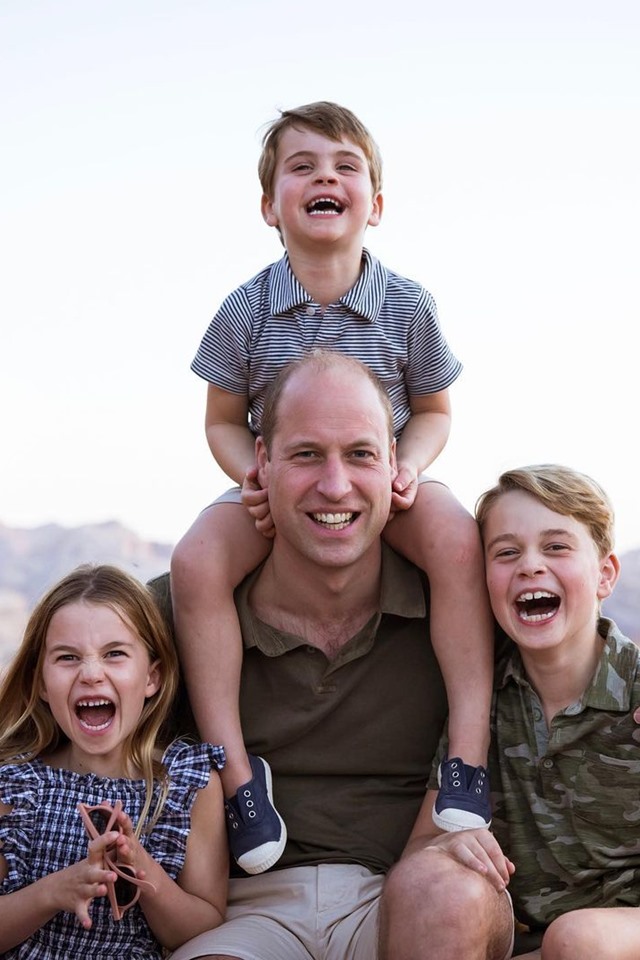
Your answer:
<point x="124" y="891"/>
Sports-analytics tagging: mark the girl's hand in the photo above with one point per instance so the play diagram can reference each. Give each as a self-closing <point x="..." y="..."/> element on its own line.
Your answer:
<point x="78" y="885"/>
<point x="404" y="488"/>
<point x="256" y="500"/>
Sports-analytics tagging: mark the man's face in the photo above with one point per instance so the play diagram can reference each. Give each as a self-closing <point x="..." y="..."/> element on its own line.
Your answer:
<point x="331" y="467"/>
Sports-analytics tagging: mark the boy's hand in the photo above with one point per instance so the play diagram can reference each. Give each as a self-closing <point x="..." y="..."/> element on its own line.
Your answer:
<point x="404" y="488"/>
<point x="478" y="850"/>
<point x="256" y="500"/>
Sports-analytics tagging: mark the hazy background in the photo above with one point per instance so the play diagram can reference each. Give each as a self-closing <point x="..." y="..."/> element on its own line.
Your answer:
<point x="130" y="135"/>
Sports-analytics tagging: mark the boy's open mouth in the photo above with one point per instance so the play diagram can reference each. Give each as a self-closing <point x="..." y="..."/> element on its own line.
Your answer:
<point x="324" y="205"/>
<point x="536" y="606"/>
<point x="334" y="521"/>
<point x="95" y="714"/>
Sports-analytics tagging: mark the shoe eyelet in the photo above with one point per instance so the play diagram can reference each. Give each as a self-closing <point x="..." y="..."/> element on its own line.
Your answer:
<point x="246" y="793"/>
<point x="249" y="803"/>
<point x="252" y="813"/>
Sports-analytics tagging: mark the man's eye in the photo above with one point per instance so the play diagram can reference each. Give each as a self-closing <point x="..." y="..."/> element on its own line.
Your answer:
<point x="362" y="454"/>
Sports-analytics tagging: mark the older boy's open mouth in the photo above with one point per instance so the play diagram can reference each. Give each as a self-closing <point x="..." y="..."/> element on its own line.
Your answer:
<point x="334" y="521"/>
<point x="537" y="606"/>
<point x="324" y="205"/>
<point x="95" y="714"/>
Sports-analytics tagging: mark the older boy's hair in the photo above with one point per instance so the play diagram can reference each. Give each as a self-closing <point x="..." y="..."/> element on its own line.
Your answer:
<point x="563" y="490"/>
<point x="318" y="360"/>
<point x="329" y="119"/>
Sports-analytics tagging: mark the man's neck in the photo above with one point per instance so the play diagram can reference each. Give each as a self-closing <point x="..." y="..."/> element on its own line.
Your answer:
<point x="322" y="605"/>
<point x="328" y="273"/>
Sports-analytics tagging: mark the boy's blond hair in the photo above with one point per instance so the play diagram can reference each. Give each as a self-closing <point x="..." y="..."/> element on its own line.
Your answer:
<point x="329" y="119"/>
<point x="563" y="490"/>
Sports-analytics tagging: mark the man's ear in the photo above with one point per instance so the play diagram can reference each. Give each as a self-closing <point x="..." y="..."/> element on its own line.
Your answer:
<point x="392" y="460"/>
<point x="609" y="573"/>
<point x="262" y="461"/>
<point x="268" y="213"/>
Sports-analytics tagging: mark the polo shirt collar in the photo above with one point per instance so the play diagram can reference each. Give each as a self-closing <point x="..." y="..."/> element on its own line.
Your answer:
<point x="363" y="300"/>
<point x="612" y="686"/>
<point x="401" y="594"/>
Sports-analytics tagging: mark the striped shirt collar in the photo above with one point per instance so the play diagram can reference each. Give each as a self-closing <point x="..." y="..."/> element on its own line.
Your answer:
<point x="364" y="299"/>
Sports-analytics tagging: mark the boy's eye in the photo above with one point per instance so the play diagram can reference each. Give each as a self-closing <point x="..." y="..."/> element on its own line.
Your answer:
<point x="301" y="167"/>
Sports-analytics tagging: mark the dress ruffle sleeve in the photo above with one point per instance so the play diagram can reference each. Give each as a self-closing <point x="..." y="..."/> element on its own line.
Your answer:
<point x="189" y="767"/>
<point x="18" y="789"/>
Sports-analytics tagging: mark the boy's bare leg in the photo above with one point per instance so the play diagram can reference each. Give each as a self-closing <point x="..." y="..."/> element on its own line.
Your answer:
<point x="441" y="537"/>
<point x="605" y="933"/>
<point x="213" y="557"/>
<point x="433" y="906"/>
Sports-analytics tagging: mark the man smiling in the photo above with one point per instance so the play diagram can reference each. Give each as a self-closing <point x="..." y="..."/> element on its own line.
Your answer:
<point x="341" y="691"/>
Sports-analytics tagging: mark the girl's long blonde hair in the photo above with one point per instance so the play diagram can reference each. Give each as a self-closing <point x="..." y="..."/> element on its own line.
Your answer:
<point x="27" y="726"/>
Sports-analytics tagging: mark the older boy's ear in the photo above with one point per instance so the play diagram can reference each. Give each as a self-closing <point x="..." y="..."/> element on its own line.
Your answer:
<point x="376" y="211"/>
<point x="268" y="213"/>
<point x="609" y="573"/>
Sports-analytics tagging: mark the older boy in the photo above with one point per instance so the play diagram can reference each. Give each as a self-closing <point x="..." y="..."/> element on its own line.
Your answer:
<point x="321" y="175"/>
<point x="564" y="759"/>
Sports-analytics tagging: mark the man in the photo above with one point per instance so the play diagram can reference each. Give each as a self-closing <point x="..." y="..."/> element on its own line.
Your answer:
<point x="341" y="692"/>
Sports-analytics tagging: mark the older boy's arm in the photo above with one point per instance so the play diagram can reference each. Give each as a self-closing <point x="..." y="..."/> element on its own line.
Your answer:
<point x="477" y="850"/>
<point x="423" y="438"/>
<point x="228" y="435"/>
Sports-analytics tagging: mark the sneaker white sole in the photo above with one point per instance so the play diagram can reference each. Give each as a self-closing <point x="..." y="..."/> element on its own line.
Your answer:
<point x="263" y="857"/>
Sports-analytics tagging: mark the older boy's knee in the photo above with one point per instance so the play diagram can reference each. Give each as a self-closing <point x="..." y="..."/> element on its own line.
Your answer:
<point x="574" y="936"/>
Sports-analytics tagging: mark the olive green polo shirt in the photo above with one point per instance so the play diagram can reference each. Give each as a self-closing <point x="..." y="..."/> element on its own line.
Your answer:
<point x="566" y="799"/>
<point x="349" y="740"/>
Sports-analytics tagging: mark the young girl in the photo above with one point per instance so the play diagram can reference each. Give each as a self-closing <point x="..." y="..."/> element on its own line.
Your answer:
<point x="81" y="710"/>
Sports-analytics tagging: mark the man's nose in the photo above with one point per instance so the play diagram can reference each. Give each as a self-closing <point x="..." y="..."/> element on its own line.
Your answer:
<point x="334" y="482"/>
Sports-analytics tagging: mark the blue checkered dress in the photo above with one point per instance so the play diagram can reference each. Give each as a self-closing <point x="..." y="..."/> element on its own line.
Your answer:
<point x="44" y="833"/>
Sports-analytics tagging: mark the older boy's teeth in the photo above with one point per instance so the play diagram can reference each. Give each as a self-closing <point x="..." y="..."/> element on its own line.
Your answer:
<point x="538" y="595"/>
<point x="536" y="617"/>
<point x="337" y="521"/>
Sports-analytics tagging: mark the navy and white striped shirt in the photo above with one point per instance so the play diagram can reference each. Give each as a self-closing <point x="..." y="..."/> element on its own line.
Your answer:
<point x="386" y="321"/>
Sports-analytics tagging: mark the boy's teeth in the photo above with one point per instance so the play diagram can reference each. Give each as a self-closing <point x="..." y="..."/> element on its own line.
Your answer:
<point x="538" y="595"/>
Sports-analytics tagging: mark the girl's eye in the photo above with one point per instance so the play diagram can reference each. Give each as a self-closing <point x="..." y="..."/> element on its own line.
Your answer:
<point x="113" y="654"/>
<point x="67" y="657"/>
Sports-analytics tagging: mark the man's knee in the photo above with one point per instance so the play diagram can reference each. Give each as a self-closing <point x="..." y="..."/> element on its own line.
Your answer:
<point x="574" y="936"/>
<point x="431" y="880"/>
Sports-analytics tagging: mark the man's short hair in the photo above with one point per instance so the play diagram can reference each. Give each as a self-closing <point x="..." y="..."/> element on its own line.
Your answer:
<point x="317" y="360"/>
<point x="564" y="491"/>
<point x="329" y="119"/>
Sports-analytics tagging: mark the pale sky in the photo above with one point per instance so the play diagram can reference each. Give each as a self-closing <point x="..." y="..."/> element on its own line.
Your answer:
<point x="130" y="135"/>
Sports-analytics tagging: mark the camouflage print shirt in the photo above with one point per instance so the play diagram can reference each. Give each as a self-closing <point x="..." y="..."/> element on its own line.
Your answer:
<point x="566" y="800"/>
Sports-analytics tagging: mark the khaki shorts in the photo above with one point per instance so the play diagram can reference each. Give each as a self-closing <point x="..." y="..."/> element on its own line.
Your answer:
<point x="329" y="912"/>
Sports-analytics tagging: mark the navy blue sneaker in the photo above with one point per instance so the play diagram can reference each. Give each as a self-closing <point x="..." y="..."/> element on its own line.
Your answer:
<point x="256" y="831"/>
<point x="463" y="799"/>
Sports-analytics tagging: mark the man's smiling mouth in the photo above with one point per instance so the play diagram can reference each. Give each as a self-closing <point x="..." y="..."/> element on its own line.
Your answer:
<point x="323" y="206"/>
<point x="538" y="605"/>
<point x="334" y="521"/>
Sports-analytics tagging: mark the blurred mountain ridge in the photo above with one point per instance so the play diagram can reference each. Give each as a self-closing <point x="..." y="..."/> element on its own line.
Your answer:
<point x="33" y="559"/>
